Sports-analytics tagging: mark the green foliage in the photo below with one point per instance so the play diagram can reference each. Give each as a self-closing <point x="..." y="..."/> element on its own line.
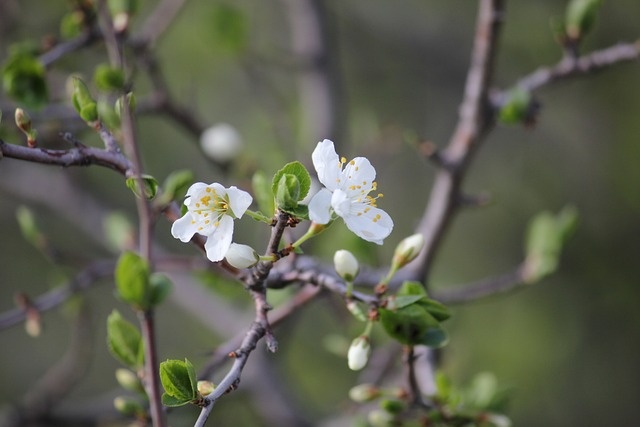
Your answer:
<point x="546" y="236"/>
<point x="71" y="24"/>
<point x="517" y="107"/>
<point x="132" y="280"/>
<point x="160" y="288"/>
<point x="230" y="27"/>
<point x="175" y="185"/>
<point x="290" y="185"/>
<point x="83" y="102"/>
<point x="108" y="78"/>
<point x="150" y="186"/>
<point x="262" y="189"/>
<point x="412" y="318"/>
<point x="125" y="341"/>
<point x="580" y="17"/>
<point x="28" y="226"/>
<point x="179" y="381"/>
<point x="23" y="77"/>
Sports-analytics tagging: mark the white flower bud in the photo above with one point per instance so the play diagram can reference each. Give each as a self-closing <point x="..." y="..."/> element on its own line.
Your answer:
<point x="221" y="143"/>
<point x="346" y="265"/>
<point x="242" y="256"/>
<point x="358" y="354"/>
<point x="407" y="250"/>
<point x="364" y="393"/>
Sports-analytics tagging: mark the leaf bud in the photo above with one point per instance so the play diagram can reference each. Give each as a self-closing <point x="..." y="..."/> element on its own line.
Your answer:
<point x="242" y="256"/>
<point x="83" y="102"/>
<point x="221" y="143"/>
<point x="364" y="393"/>
<point x="380" y="418"/>
<point x="23" y="121"/>
<point x="131" y="100"/>
<point x="205" y="388"/>
<point x="580" y="17"/>
<point x="407" y="250"/>
<point x="346" y="265"/>
<point x="127" y="406"/>
<point x="393" y="406"/>
<point x="358" y="354"/>
<point x="129" y="381"/>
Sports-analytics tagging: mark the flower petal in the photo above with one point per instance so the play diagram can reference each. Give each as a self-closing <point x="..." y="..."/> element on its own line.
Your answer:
<point x="239" y="201"/>
<point x="196" y="187"/>
<point x="320" y="207"/>
<point x="327" y="164"/>
<point x="184" y="228"/>
<point x="341" y="203"/>
<point x="358" y="176"/>
<point x="374" y="225"/>
<point x="219" y="241"/>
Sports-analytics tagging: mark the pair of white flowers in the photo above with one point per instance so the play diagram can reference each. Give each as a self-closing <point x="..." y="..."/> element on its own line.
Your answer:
<point x="347" y="187"/>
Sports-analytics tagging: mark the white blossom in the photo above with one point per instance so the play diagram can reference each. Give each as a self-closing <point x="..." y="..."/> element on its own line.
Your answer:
<point x="211" y="211"/>
<point x="358" y="354"/>
<point x="346" y="265"/>
<point x="221" y="142"/>
<point x="242" y="256"/>
<point x="346" y="193"/>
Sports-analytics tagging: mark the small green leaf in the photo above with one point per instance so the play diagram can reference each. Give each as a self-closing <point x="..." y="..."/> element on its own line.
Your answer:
<point x="161" y="287"/>
<point x="81" y="96"/>
<point x="405" y="300"/>
<point x="176" y="184"/>
<point x="407" y="325"/>
<point x="150" y="186"/>
<point x="434" y="338"/>
<point x="108" y="78"/>
<point x="230" y="27"/>
<point x="89" y="113"/>
<point x="263" y="193"/>
<point x="581" y="16"/>
<point x="179" y="379"/>
<point x="124" y="340"/>
<point x="287" y="192"/>
<point x="119" y="231"/>
<point x="23" y="78"/>
<point x="300" y="172"/>
<point x="170" y="401"/>
<point x="517" y="107"/>
<point x="392" y="406"/>
<point x="411" y="288"/>
<point x="132" y="280"/>
<point x="436" y="309"/>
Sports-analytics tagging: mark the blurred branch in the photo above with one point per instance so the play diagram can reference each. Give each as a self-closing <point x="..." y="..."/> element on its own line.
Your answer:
<point x="586" y="64"/>
<point x="87" y="38"/>
<point x="483" y="288"/>
<point x="56" y="383"/>
<point x="83" y="280"/>
<point x="476" y="118"/>
<point x="161" y="18"/>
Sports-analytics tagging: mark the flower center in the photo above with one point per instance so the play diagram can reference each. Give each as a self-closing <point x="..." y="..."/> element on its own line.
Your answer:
<point x="211" y="207"/>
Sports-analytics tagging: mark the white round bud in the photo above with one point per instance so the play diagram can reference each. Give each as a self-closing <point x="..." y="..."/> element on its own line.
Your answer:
<point x="358" y="354"/>
<point x="346" y="265"/>
<point x="221" y="142"/>
<point x="242" y="256"/>
<point x="408" y="249"/>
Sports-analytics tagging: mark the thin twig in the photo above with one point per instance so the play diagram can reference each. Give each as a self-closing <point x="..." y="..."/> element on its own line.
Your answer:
<point x="161" y="18"/>
<point x="483" y="288"/>
<point x="583" y="65"/>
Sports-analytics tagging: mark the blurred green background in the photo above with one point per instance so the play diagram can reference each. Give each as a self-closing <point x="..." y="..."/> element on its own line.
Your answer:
<point x="568" y="346"/>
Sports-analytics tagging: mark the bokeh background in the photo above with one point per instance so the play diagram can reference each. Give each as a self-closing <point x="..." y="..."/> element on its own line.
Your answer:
<point x="568" y="347"/>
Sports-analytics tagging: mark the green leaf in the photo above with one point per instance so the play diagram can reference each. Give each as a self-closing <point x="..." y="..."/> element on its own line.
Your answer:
<point x="81" y="96"/>
<point x="179" y="379"/>
<point x="263" y="193"/>
<point x="23" y="78"/>
<point x="287" y="192"/>
<point x="435" y="308"/>
<point x="545" y="238"/>
<point x="177" y="183"/>
<point x="517" y="107"/>
<point x="411" y="288"/>
<point x="170" y="401"/>
<point x="405" y="300"/>
<point x="230" y="27"/>
<point x="71" y="25"/>
<point x="132" y="280"/>
<point x="108" y="78"/>
<point x="161" y="287"/>
<point x="124" y="340"/>
<point x="581" y="16"/>
<point x="413" y="292"/>
<point x="300" y="172"/>
<point x="150" y="186"/>
<point x="407" y="325"/>
<point x="435" y="338"/>
<point x="119" y="231"/>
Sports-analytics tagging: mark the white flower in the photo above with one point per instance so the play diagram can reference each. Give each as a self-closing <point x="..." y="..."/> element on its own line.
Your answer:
<point x="408" y="249"/>
<point x="242" y="256"/>
<point x="212" y="209"/>
<point x="346" y="265"/>
<point x="347" y="194"/>
<point x="221" y="142"/>
<point x="358" y="354"/>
